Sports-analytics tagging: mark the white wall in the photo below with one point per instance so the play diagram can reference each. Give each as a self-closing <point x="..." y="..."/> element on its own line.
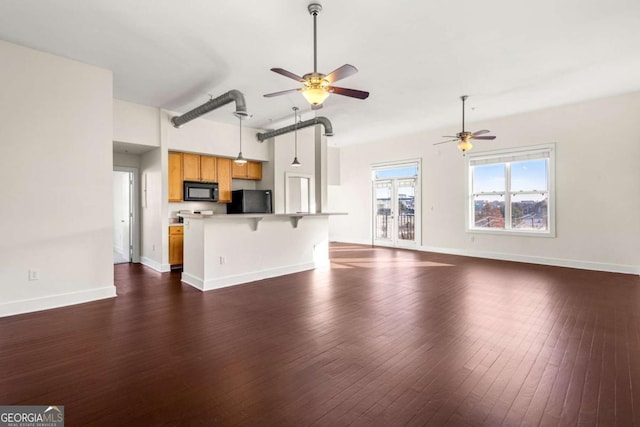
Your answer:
<point x="151" y="200"/>
<point x="284" y="149"/>
<point x="126" y="160"/>
<point x="597" y="186"/>
<point x="205" y="136"/>
<point x="57" y="191"/>
<point x="136" y="124"/>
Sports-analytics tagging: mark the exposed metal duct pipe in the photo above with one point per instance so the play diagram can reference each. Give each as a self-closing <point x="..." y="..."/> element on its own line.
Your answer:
<point x="328" y="129"/>
<point x="212" y="104"/>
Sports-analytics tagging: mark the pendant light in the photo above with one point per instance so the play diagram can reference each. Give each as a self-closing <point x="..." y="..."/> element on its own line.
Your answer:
<point x="295" y="163"/>
<point x="240" y="160"/>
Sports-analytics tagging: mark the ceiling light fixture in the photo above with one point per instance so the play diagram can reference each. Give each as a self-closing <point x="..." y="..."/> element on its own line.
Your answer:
<point x="295" y="162"/>
<point x="240" y="160"/>
<point x="315" y="90"/>
<point x="464" y="138"/>
<point x="465" y="145"/>
<point x="318" y="86"/>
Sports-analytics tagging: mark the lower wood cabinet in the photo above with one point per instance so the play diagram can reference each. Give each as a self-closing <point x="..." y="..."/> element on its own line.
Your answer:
<point x="176" y="242"/>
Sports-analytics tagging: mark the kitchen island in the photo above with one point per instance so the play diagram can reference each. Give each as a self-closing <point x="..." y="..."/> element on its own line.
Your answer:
<point x="226" y="250"/>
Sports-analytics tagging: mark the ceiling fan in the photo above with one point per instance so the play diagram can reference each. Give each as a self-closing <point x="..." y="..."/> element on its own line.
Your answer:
<point x="464" y="137"/>
<point x="318" y="86"/>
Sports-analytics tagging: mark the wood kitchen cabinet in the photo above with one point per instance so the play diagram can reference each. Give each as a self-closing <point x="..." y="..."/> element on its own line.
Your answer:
<point x="208" y="169"/>
<point x="254" y="170"/>
<point x="199" y="167"/>
<point x="249" y="170"/>
<point x="176" y="241"/>
<point x="224" y="179"/>
<point x="175" y="177"/>
<point x="190" y="167"/>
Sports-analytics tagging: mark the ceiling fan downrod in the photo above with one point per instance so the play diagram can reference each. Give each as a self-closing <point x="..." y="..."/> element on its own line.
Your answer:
<point x="314" y="10"/>
<point x="464" y="98"/>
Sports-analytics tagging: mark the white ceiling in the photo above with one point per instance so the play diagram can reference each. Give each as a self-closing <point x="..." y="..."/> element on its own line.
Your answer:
<point x="415" y="58"/>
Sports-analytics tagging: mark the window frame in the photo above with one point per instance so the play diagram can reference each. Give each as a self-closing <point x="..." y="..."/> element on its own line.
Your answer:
<point x="507" y="157"/>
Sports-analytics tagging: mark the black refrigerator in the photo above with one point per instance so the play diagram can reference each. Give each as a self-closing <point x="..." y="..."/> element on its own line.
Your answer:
<point x="250" y="201"/>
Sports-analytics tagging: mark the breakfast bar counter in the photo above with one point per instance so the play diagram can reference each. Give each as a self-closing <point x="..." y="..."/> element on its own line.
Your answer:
<point x="226" y="250"/>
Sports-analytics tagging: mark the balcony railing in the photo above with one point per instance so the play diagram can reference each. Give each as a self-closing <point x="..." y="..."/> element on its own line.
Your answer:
<point x="406" y="226"/>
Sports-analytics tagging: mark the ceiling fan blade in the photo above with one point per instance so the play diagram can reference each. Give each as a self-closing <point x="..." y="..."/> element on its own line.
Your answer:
<point x="282" y="92"/>
<point x="444" y="142"/>
<point x="480" y="132"/>
<point x="288" y="74"/>
<point x="341" y="73"/>
<point x="353" y="93"/>
<point x="491" y="137"/>
<point x="316" y="107"/>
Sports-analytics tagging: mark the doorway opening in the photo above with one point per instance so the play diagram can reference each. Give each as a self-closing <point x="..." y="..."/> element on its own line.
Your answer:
<point x="396" y="204"/>
<point x="125" y="226"/>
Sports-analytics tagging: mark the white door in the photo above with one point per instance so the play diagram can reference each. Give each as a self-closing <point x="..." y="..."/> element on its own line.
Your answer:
<point x="395" y="212"/>
<point x="122" y="215"/>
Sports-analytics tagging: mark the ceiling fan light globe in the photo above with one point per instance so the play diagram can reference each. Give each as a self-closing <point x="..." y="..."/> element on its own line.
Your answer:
<point x="315" y="95"/>
<point x="465" y="145"/>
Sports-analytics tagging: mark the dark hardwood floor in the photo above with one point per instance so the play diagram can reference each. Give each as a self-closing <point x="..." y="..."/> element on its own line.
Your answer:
<point x="384" y="337"/>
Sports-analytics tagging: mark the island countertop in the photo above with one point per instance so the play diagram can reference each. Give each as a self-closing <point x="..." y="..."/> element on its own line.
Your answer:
<point x="260" y="215"/>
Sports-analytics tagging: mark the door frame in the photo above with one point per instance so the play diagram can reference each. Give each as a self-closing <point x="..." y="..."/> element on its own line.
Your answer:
<point x="134" y="222"/>
<point x="417" y="242"/>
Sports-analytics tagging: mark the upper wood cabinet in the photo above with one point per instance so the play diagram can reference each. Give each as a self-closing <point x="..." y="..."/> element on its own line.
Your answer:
<point x="175" y="177"/>
<point x="254" y="170"/>
<point x="190" y="167"/>
<point x="208" y="169"/>
<point x="249" y="170"/>
<point x="224" y="179"/>
<point x="200" y="167"/>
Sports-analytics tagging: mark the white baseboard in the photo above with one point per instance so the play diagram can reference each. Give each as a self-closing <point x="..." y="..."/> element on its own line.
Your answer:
<point x="555" y="262"/>
<point x="161" y="268"/>
<point x="351" y="241"/>
<point x="56" y="301"/>
<point x="194" y="281"/>
<point x="238" y="279"/>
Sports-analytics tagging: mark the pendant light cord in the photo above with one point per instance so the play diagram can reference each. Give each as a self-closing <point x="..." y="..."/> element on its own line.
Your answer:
<point x="295" y="130"/>
<point x="240" y="119"/>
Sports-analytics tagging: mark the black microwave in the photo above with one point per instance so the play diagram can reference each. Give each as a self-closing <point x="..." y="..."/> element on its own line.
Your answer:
<point x="195" y="191"/>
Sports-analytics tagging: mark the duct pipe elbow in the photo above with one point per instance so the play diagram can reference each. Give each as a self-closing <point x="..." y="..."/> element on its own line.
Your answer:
<point x="212" y="104"/>
<point x="328" y="129"/>
<point x="241" y="105"/>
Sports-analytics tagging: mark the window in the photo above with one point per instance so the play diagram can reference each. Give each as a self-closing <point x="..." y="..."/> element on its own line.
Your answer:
<point x="512" y="191"/>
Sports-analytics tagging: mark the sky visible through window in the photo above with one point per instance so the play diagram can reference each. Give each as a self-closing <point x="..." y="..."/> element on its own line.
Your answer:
<point x="526" y="175"/>
<point x="396" y="172"/>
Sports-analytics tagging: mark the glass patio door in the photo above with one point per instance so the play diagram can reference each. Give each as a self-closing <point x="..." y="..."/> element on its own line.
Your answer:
<point x="395" y="212"/>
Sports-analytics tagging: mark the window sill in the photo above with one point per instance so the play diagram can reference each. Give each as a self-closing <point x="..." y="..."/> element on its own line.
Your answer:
<point x="523" y="233"/>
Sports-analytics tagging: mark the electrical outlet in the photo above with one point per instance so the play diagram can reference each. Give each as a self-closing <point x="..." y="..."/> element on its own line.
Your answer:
<point x="153" y="247"/>
<point x="34" y="275"/>
<point x="223" y="260"/>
